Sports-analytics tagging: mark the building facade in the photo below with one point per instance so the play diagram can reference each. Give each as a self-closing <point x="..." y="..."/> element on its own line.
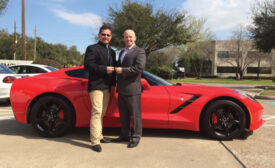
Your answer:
<point x="228" y="54"/>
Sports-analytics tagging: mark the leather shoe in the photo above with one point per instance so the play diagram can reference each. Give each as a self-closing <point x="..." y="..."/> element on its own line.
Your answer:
<point x="132" y="144"/>
<point x="97" y="148"/>
<point x="104" y="140"/>
<point x="121" y="139"/>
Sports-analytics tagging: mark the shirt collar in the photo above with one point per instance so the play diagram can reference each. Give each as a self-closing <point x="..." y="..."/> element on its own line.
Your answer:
<point x="102" y="44"/>
<point x="130" y="47"/>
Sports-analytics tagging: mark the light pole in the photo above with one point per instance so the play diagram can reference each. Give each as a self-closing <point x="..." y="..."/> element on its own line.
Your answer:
<point x="15" y="42"/>
<point x="23" y="32"/>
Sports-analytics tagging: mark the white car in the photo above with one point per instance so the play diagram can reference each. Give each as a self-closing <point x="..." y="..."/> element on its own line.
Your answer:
<point x="7" y="76"/>
<point x="31" y="69"/>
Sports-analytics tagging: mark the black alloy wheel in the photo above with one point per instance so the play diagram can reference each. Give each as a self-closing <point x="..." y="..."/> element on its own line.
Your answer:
<point x="52" y="116"/>
<point x="223" y="120"/>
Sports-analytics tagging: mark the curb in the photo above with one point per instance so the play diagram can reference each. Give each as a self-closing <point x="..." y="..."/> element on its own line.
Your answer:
<point x="265" y="97"/>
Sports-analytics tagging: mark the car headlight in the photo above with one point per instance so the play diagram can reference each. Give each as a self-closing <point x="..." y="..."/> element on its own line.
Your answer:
<point x="246" y="95"/>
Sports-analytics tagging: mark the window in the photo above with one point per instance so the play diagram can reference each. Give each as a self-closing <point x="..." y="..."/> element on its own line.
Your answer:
<point x="154" y="80"/>
<point x="223" y="54"/>
<point x="51" y="68"/>
<point x="252" y="54"/>
<point x="226" y="69"/>
<point x="227" y="54"/>
<point x="34" y="70"/>
<point x="263" y="70"/>
<point x="5" y="70"/>
<point x="78" y="73"/>
<point x="15" y="69"/>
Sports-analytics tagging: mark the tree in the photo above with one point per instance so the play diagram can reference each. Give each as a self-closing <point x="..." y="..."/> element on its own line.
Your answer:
<point x="161" y="62"/>
<point x="239" y="47"/>
<point x="57" y="52"/>
<point x="259" y="57"/>
<point x="263" y="29"/>
<point x="3" y="5"/>
<point x="161" y="57"/>
<point x="197" y="53"/>
<point x="154" y="30"/>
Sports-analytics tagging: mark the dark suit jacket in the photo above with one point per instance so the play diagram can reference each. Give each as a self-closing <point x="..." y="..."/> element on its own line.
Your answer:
<point x="96" y="63"/>
<point x="128" y="83"/>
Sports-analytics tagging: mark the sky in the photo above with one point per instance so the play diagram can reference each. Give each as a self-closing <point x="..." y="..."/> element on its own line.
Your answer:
<point x="76" y="22"/>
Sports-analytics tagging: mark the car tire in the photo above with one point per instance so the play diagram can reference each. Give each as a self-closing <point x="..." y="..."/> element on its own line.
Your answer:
<point x="223" y="120"/>
<point x="52" y="116"/>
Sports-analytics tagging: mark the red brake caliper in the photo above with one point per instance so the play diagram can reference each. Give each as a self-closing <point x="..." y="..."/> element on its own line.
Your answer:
<point x="214" y="119"/>
<point x="61" y="114"/>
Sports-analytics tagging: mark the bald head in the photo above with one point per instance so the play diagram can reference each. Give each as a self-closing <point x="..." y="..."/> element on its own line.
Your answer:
<point x="129" y="31"/>
<point x="129" y="38"/>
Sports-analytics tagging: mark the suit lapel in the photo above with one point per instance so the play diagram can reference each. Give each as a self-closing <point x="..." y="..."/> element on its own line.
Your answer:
<point x="128" y="54"/>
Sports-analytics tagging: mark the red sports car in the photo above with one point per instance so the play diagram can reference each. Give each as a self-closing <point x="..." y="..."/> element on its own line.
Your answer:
<point x="57" y="101"/>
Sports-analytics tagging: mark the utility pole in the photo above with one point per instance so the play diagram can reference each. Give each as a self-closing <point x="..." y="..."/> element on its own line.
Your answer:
<point x="23" y="32"/>
<point x="14" y="42"/>
<point x="34" y="48"/>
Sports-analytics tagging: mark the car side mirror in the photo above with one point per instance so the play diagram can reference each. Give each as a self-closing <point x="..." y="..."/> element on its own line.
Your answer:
<point x="145" y="84"/>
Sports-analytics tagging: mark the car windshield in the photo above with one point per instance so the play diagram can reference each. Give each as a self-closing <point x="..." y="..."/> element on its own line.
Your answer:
<point x="51" y="68"/>
<point x="5" y="70"/>
<point x="154" y="80"/>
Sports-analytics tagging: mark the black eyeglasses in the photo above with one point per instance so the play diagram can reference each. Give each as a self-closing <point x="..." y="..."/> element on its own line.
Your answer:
<point x="103" y="34"/>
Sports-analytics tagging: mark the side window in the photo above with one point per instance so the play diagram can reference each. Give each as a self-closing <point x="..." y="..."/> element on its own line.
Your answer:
<point x="40" y="70"/>
<point x="34" y="70"/>
<point x="15" y="69"/>
<point x="30" y="70"/>
<point x="23" y="70"/>
<point x="78" y="73"/>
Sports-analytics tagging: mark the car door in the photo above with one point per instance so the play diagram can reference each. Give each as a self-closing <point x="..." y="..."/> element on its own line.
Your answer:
<point x="154" y="107"/>
<point x="155" y="102"/>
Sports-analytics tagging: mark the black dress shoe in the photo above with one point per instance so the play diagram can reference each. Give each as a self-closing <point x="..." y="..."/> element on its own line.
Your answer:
<point x="121" y="139"/>
<point x="104" y="140"/>
<point x="132" y="144"/>
<point x="96" y="148"/>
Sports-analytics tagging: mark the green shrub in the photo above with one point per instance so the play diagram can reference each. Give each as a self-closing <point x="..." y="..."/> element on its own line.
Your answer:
<point x="163" y="71"/>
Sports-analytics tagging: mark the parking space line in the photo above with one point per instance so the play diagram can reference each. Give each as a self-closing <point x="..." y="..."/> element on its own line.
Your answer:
<point x="7" y="118"/>
<point x="269" y="118"/>
<point x="269" y="125"/>
<point x="5" y="110"/>
<point x="1" y="113"/>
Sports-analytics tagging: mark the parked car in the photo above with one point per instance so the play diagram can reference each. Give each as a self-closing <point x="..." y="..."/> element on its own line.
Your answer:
<point x="31" y="69"/>
<point x="57" y="101"/>
<point x="7" y="76"/>
<point x="179" y="73"/>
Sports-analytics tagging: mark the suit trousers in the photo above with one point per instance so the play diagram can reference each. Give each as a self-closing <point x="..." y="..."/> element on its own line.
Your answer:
<point x="130" y="106"/>
<point x="99" y="100"/>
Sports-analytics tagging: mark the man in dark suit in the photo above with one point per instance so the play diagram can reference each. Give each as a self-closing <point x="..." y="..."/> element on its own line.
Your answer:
<point x="129" y="68"/>
<point x="100" y="61"/>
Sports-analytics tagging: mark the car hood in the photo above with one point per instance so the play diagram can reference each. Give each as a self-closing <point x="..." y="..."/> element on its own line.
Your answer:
<point x="198" y="89"/>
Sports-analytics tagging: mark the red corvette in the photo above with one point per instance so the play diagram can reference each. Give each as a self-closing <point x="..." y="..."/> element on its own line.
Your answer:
<point x="57" y="101"/>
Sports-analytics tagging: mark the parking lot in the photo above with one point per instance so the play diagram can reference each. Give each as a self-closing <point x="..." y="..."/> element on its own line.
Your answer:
<point x="20" y="146"/>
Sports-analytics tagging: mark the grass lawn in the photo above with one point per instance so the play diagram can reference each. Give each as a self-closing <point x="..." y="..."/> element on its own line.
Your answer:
<point x="269" y="91"/>
<point x="225" y="81"/>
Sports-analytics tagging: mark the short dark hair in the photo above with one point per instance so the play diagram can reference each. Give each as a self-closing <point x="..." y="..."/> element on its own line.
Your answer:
<point x="104" y="27"/>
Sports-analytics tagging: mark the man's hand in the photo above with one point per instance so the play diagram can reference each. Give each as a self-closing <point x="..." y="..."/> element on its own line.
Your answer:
<point x="110" y="69"/>
<point x="118" y="70"/>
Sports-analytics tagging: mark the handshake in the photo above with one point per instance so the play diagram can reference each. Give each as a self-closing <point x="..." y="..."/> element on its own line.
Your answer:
<point x="110" y="70"/>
